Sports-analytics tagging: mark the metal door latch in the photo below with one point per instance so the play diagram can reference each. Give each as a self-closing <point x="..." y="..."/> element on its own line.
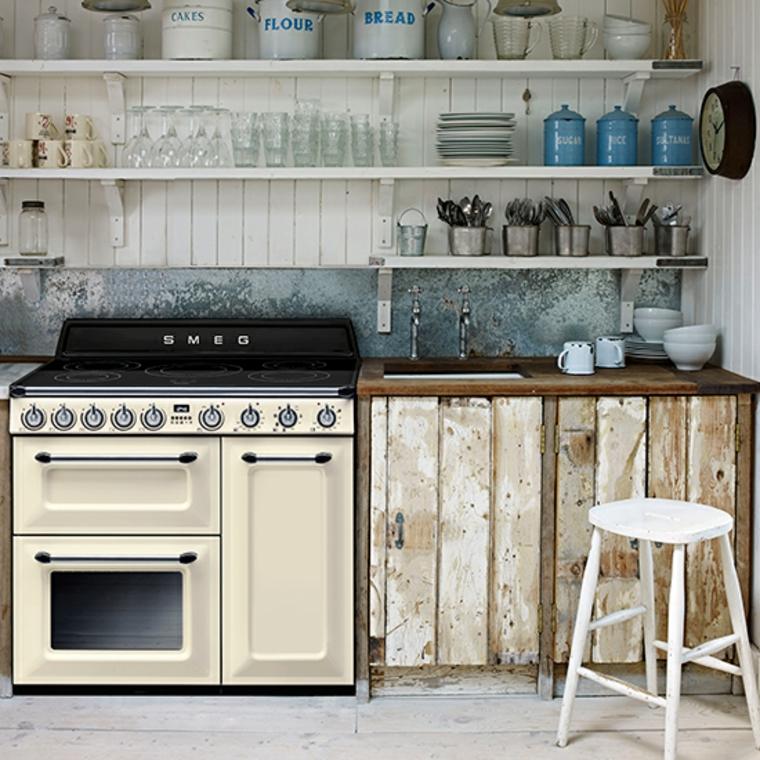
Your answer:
<point x="399" y="531"/>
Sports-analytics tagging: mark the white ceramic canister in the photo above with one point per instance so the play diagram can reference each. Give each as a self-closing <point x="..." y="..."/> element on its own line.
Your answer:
<point x="285" y="34"/>
<point x="199" y="30"/>
<point x="123" y="38"/>
<point x="390" y="28"/>
<point x="51" y="35"/>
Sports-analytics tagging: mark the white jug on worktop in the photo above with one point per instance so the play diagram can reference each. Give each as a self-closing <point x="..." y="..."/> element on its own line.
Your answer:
<point x="457" y="32"/>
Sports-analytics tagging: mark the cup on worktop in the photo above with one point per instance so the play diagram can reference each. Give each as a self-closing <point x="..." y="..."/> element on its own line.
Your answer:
<point x="577" y="358"/>
<point x="610" y="352"/>
<point x="50" y="154"/>
<point x="40" y="126"/>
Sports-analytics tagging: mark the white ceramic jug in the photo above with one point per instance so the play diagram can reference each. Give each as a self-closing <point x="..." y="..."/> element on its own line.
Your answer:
<point x="285" y="34"/>
<point x="390" y="28"/>
<point x="457" y="33"/>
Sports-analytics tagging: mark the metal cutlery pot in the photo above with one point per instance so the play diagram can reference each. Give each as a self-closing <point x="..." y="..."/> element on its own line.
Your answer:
<point x="468" y="241"/>
<point x="671" y="240"/>
<point x="572" y="240"/>
<point x="520" y="241"/>
<point x="624" y="241"/>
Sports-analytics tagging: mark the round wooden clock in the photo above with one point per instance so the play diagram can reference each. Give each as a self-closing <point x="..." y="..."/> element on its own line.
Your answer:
<point x="728" y="129"/>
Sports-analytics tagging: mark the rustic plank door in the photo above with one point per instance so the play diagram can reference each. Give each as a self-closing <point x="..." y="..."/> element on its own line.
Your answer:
<point x="455" y="541"/>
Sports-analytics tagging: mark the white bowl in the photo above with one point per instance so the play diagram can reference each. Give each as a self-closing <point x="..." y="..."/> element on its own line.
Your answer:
<point x="709" y="332"/>
<point x="653" y="313"/>
<point x="689" y="358"/>
<point x="623" y="22"/>
<point x="655" y="329"/>
<point x="689" y="340"/>
<point x="627" y="47"/>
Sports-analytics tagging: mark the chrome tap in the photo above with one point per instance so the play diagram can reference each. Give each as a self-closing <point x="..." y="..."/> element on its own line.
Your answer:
<point x="415" y="293"/>
<point x="464" y="322"/>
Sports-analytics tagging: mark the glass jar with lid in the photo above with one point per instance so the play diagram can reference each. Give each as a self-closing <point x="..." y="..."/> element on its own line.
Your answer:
<point x="52" y="41"/>
<point x="33" y="229"/>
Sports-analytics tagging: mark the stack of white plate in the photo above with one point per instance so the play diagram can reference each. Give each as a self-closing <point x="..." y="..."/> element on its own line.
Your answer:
<point x="638" y="348"/>
<point x="476" y="139"/>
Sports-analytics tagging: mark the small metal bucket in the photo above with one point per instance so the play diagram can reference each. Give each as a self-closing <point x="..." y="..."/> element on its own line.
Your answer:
<point x="520" y="241"/>
<point x="410" y="238"/>
<point x="572" y="240"/>
<point x="671" y="241"/>
<point x="624" y="241"/>
<point x="468" y="241"/>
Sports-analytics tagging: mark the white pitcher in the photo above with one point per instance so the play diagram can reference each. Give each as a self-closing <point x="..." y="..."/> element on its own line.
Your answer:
<point x="390" y="28"/>
<point x="285" y="34"/>
<point x="457" y="33"/>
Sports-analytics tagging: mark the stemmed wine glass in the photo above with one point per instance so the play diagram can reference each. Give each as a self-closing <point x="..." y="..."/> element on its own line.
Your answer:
<point x="137" y="151"/>
<point x="166" y="151"/>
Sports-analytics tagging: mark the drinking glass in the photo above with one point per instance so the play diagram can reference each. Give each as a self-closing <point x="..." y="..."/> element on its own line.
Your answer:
<point x="388" y="143"/>
<point x="276" y="128"/>
<point x="362" y="140"/>
<point x="199" y="154"/>
<point x="304" y="131"/>
<point x="221" y="147"/>
<point x="334" y="139"/>
<point x="137" y="151"/>
<point x="246" y="136"/>
<point x="167" y="149"/>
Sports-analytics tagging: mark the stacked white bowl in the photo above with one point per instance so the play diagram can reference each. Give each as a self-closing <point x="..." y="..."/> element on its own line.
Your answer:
<point x="690" y="348"/>
<point x="651" y="324"/>
<point x="626" y="38"/>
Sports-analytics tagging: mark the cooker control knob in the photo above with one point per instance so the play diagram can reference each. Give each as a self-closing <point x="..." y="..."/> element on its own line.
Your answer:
<point x="123" y="418"/>
<point x="33" y="418"/>
<point x="93" y="418"/>
<point x="212" y="418"/>
<point x="64" y="418"/>
<point x="288" y="417"/>
<point x="153" y="418"/>
<point x="327" y="417"/>
<point x="250" y="417"/>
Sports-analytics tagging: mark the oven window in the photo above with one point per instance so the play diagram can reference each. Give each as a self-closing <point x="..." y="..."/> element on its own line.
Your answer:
<point x="116" y="610"/>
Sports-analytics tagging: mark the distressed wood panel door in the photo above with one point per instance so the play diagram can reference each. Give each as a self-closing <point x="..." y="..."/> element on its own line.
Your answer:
<point x="455" y="546"/>
<point x="617" y="448"/>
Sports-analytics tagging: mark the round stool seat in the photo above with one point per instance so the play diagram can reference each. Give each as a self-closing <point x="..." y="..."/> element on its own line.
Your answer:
<point x="662" y="520"/>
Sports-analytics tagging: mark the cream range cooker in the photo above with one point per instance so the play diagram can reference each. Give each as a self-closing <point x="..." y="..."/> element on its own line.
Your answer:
<point x="183" y="505"/>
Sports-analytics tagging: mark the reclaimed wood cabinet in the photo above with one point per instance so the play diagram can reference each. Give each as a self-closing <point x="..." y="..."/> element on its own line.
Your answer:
<point x="478" y="530"/>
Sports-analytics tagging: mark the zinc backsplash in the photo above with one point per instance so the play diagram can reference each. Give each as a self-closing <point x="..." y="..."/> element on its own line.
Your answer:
<point x="529" y="312"/>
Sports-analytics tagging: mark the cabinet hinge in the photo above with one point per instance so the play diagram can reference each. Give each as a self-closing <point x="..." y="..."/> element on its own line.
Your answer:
<point x="543" y="439"/>
<point x="540" y="619"/>
<point x="738" y="439"/>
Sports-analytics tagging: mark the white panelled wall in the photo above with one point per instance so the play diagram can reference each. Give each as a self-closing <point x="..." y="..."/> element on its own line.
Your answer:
<point x="303" y="223"/>
<point x="727" y="295"/>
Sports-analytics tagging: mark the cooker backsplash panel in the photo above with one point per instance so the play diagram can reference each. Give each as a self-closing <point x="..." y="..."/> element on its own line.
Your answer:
<point x="536" y="311"/>
<point x="306" y="223"/>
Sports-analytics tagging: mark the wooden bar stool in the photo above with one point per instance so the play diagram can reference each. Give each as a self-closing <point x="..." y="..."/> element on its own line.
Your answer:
<point x="667" y="522"/>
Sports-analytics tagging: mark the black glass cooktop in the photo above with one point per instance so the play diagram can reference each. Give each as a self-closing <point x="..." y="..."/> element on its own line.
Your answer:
<point x="170" y="357"/>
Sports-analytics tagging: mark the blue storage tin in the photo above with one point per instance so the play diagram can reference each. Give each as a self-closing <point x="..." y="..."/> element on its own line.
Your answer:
<point x="564" y="138"/>
<point x="617" y="139"/>
<point x="672" y="138"/>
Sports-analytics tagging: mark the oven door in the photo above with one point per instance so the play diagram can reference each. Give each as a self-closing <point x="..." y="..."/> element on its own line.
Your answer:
<point x="116" y="611"/>
<point x="288" y="561"/>
<point x="112" y="485"/>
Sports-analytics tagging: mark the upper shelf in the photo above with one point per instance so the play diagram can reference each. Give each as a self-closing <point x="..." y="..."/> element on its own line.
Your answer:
<point x="545" y="69"/>
<point x="539" y="262"/>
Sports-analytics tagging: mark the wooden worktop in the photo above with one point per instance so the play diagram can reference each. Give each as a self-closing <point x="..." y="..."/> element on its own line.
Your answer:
<point x="542" y="378"/>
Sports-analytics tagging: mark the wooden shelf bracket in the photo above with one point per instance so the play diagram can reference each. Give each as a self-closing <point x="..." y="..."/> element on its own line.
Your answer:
<point x="5" y="108"/>
<point x="384" y="229"/>
<point x="634" y="90"/>
<point x="634" y="190"/>
<point x="387" y="96"/>
<point x="629" y="289"/>
<point x="384" y="300"/>
<point x="118" y="104"/>
<point x="114" y="192"/>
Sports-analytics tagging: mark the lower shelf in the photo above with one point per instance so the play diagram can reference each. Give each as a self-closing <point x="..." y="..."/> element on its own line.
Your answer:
<point x="539" y="262"/>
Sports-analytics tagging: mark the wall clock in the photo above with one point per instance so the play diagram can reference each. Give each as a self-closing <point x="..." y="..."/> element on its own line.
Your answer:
<point x="728" y="129"/>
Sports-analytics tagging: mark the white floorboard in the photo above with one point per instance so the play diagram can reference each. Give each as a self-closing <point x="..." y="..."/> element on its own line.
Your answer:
<point x="165" y="728"/>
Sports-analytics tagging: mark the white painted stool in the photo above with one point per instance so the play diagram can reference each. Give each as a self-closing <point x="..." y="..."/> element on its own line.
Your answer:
<point x="667" y="522"/>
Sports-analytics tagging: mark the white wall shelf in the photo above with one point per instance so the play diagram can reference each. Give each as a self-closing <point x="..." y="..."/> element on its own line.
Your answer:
<point x="544" y="69"/>
<point x="539" y="262"/>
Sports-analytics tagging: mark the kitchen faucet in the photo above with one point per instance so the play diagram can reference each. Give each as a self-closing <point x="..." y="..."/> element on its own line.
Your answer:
<point x="415" y="293"/>
<point x="464" y="322"/>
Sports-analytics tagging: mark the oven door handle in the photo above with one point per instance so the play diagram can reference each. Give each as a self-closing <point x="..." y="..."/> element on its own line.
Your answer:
<point x="45" y="457"/>
<point x="186" y="558"/>
<point x="323" y="457"/>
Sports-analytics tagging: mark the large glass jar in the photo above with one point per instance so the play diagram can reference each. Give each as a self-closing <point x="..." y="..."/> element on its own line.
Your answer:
<point x="33" y="229"/>
<point x="51" y="36"/>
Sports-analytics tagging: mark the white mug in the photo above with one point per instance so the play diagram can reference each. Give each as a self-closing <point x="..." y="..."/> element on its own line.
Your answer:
<point x="50" y="154"/>
<point x="577" y="358"/>
<point x="4" y="154"/>
<point x="79" y="154"/>
<point x="100" y="153"/>
<point x="40" y="126"/>
<point x="79" y="127"/>
<point x="610" y="352"/>
<point x="20" y="154"/>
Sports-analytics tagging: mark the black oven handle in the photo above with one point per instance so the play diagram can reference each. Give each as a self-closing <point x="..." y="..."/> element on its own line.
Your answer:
<point x="186" y="558"/>
<point x="45" y="457"/>
<point x="323" y="457"/>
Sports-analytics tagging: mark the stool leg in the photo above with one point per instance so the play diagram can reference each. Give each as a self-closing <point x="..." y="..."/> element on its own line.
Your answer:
<point x="676" y="608"/>
<point x="647" y="600"/>
<point x="739" y="625"/>
<point x="580" y="634"/>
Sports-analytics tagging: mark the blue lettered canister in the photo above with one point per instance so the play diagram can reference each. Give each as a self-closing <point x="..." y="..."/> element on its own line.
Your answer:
<point x="564" y="138"/>
<point x="617" y="139"/>
<point x="390" y="28"/>
<point x="671" y="138"/>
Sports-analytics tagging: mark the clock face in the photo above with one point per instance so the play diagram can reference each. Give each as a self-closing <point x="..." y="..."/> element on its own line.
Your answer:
<point x="713" y="128"/>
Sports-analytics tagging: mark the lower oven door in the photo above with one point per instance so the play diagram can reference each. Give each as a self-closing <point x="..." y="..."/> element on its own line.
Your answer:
<point x="116" y="610"/>
<point x="288" y="561"/>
